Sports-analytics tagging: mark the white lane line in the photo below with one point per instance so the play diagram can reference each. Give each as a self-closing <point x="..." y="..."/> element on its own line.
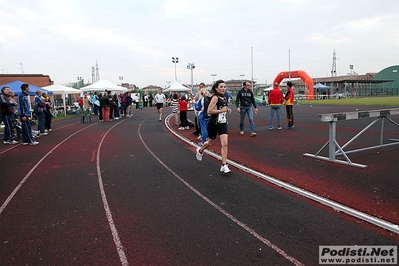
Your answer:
<point x="114" y="231"/>
<point x="16" y="145"/>
<point x="111" y="223"/>
<point x="224" y="212"/>
<point x="326" y="202"/>
<point x="10" y="197"/>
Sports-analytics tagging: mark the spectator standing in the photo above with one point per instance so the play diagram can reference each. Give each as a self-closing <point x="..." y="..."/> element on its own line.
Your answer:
<point x="116" y="103"/>
<point x="128" y="103"/>
<point x="105" y="106"/>
<point x="174" y="103"/>
<point x="289" y="104"/>
<point x="111" y="106"/>
<point x="41" y="105"/>
<point x="244" y="102"/>
<point x="160" y="100"/>
<point x="96" y="103"/>
<point x="197" y="98"/>
<point x="25" y="114"/>
<point x="203" y="116"/>
<point x="86" y="109"/>
<point x="48" y="117"/>
<point x="121" y="104"/>
<point x="100" y="110"/>
<point x="275" y="100"/>
<point x="80" y="101"/>
<point x="7" y="113"/>
<point x="145" y="100"/>
<point x="183" y="107"/>
<point x="136" y="100"/>
<point x="217" y="124"/>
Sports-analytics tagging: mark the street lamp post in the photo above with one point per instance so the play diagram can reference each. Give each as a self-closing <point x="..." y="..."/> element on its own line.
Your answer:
<point x="175" y="60"/>
<point x="191" y="66"/>
<point x="213" y="75"/>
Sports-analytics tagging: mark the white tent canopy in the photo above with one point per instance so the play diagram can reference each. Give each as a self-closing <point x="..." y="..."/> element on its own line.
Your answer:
<point x="63" y="90"/>
<point x="103" y="85"/>
<point x="176" y="86"/>
<point x="60" y="89"/>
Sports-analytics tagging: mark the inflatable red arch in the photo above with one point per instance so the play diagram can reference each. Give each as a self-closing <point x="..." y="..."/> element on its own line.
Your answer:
<point x="298" y="74"/>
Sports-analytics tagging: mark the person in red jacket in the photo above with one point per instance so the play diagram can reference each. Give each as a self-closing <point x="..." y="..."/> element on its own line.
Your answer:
<point x="289" y="104"/>
<point x="275" y="100"/>
<point x="183" y="107"/>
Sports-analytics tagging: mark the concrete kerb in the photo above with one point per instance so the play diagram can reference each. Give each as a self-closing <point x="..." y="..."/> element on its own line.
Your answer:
<point x="302" y="192"/>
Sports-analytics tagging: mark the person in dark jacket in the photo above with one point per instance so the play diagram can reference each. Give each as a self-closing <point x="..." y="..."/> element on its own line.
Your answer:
<point x="41" y="118"/>
<point x="128" y="103"/>
<point x="105" y="107"/>
<point x="289" y="104"/>
<point x="47" y="114"/>
<point x="25" y="114"/>
<point x="7" y="113"/>
<point x="244" y="102"/>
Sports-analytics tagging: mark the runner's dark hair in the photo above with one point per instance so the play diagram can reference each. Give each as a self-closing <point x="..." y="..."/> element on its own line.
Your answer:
<point x="214" y="87"/>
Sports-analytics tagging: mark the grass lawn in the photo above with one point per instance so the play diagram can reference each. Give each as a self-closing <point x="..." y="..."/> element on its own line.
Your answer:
<point x="61" y="116"/>
<point x="369" y="101"/>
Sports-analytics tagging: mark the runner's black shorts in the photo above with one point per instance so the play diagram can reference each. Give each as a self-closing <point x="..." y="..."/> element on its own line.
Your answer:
<point x="215" y="129"/>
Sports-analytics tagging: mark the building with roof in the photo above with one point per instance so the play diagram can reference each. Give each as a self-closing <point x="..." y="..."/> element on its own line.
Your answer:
<point x="385" y="82"/>
<point x="39" y="80"/>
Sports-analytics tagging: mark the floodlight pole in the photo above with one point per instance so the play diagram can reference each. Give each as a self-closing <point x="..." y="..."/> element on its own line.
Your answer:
<point x="175" y="60"/>
<point x="191" y="66"/>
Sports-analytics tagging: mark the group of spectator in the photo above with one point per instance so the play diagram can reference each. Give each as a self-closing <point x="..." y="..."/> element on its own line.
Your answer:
<point x="109" y="106"/>
<point x="212" y="109"/>
<point x="41" y="112"/>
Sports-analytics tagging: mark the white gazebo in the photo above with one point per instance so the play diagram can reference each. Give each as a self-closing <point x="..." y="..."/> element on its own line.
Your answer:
<point x="103" y="85"/>
<point x="62" y="90"/>
<point x="176" y="86"/>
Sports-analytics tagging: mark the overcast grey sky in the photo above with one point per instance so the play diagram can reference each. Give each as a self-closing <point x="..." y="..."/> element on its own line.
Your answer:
<point x="137" y="38"/>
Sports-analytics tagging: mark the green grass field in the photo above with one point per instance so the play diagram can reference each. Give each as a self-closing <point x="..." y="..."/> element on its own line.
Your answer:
<point x="369" y="101"/>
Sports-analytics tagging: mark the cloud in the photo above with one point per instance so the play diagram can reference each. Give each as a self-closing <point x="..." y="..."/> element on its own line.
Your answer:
<point x="136" y="38"/>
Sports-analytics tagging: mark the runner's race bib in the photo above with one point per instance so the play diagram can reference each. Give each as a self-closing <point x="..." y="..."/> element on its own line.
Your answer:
<point x="222" y="118"/>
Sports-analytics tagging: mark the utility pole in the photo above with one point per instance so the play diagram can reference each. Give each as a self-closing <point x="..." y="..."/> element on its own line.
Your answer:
<point x="97" y="72"/>
<point x="93" y="75"/>
<point x="252" y="68"/>
<point x="334" y="65"/>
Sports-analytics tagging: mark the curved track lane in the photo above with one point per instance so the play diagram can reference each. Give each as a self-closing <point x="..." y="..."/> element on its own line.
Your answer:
<point x="125" y="192"/>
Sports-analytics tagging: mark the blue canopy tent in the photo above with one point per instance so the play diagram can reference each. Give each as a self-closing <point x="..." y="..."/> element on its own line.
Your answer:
<point x="321" y="86"/>
<point x="15" y="86"/>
